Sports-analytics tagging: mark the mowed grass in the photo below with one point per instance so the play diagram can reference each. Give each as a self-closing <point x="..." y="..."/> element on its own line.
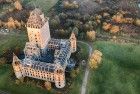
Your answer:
<point x="44" y="5"/>
<point x="76" y="84"/>
<point x="12" y="40"/>
<point x="84" y="53"/>
<point x="119" y="72"/>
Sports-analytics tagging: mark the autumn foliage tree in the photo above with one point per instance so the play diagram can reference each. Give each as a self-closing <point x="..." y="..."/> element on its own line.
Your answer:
<point x="18" y="5"/>
<point x="137" y="22"/>
<point x="0" y="23"/>
<point x="118" y="17"/>
<point x="95" y="59"/>
<point x="18" y="24"/>
<point x="70" y="5"/>
<point x="114" y="29"/>
<point x="91" y="35"/>
<point x="11" y="23"/>
<point x="48" y="85"/>
<point x="106" y="26"/>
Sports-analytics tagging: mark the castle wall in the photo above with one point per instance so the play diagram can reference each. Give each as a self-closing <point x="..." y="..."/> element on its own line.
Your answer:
<point x="41" y="36"/>
<point x="34" y="36"/>
<point x="45" y="35"/>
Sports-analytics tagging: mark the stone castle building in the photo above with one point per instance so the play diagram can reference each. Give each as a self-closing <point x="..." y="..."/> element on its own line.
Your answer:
<point x="44" y="58"/>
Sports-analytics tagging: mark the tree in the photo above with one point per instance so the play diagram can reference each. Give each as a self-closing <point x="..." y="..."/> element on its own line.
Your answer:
<point x="63" y="16"/>
<point x="18" y="24"/>
<point x="91" y="35"/>
<point x="106" y="26"/>
<point x="93" y="64"/>
<point x="86" y="17"/>
<point x="2" y="60"/>
<point x="62" y="32"/>
<point x="48" y="85"/>
<point x="0" y="23"/>
<point x="18" y="5"/>
<point x="118" y="17"/>
<point x="70" y="5"/>
<point x="75" y="30"/>
<point x="86" y="27"/>
<point x="137" y="22"/>
<point x="55" y="22"/>
<point x="115" y="29"/>
<point x="17" y="82"/>
<point x="95" y="59"/>
<point x="11" y="23"/>
<point x="82" y="35"/>
<point x="73" y="73"/>
<point x="17" y="50"/>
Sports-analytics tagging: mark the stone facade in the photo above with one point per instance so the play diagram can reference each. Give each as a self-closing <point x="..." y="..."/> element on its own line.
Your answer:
<point x="44" y="58"/>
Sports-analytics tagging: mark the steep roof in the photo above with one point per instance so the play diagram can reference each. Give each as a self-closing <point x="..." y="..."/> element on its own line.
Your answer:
<point x="35" y="21"/>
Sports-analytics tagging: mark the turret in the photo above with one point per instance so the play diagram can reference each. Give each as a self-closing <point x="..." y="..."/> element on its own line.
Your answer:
<point x="59" y="76"/>
<point x="73" y="42"/>
<point x="17" y="67"/>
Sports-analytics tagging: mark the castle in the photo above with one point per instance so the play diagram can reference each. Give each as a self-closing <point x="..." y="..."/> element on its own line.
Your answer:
<point x="45" y="58"/>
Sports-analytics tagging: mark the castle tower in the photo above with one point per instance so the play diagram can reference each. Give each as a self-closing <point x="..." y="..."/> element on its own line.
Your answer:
<point x="59" y="77"/>
<point x="17" y="67"/>
<point x="38" y="29"/>
<point x="73" y="42"/>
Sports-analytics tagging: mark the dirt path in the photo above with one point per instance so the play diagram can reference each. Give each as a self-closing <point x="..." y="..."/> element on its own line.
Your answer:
<point x="85" y="78"/>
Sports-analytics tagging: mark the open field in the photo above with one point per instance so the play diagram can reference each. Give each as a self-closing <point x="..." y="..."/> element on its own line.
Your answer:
<point x="76" y="85"/>
<point x="119" y="71"/>
<point x="12" y="40"/>
<point x="44" y="5"/>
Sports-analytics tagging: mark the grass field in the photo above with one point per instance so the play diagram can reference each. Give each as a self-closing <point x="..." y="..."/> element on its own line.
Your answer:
<point x="76" y="86"/>
<point x="12" y="40"/>
<point x="84" y="51"/>
<point x="119" y="72"/>
<point x="44" y="5"/>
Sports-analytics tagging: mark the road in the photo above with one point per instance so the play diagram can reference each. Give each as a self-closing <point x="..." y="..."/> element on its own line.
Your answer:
<point x="85" y="79"/>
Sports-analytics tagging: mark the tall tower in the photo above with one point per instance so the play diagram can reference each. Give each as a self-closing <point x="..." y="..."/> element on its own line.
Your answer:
<point x="38" y="29"/>
<point x="73" y="42"/>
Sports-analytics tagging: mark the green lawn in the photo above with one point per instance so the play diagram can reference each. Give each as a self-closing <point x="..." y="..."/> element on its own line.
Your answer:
<point x="12" y="40"/>
<point x="84" y="51"/>
<point x="76" y="86"/>
<point x="119" y="72"/>
<point x="44" y="5"/>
